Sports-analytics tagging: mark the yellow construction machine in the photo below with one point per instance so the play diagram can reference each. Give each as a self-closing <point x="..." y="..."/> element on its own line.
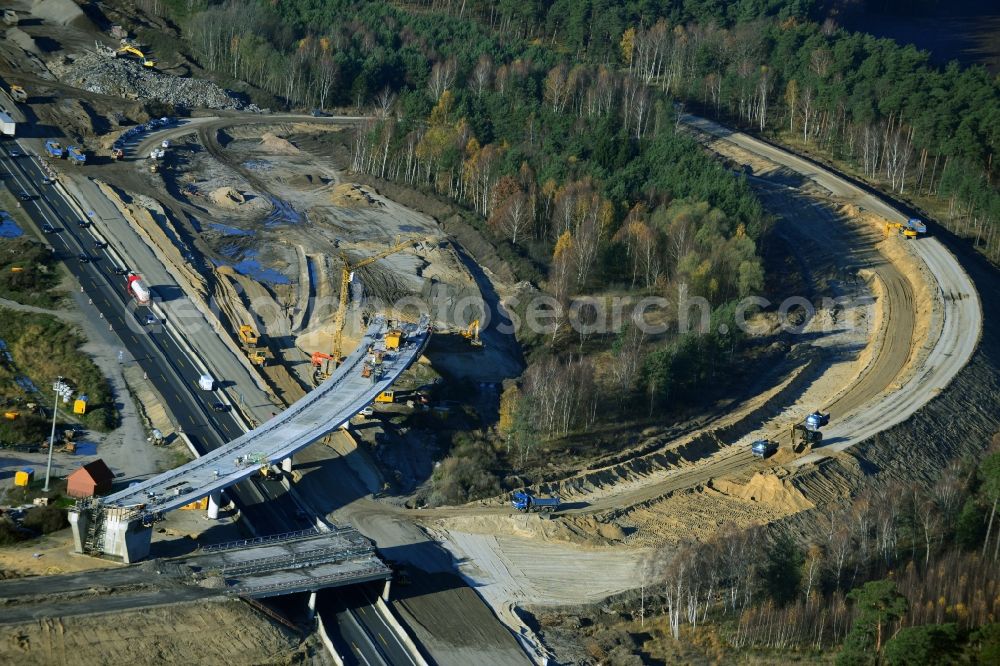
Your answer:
<point x="899" y="227"/>
<point x="346" y="274"/>
<point x="248" y="336"/>
<point x="18" y="94"/>
<point x="471" y="333"/>
<point x="132" y="50"/>
<point x="250" y="340"/>
<point x="393" y="339"/>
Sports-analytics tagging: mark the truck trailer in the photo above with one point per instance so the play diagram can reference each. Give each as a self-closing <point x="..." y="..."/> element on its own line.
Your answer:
<point x="525" y="502"/>
<point x="76" y="155"/>
<point x="54" y="149"/>
<point x="7" y="124"/>
<point x="138" y="289"/>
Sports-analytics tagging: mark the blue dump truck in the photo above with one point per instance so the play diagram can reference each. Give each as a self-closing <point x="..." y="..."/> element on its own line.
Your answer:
<point x="75" y="155"/>
<point x="53" y="149"/>
<point x="917" y="225"/>
<point x="763" y="448"/>
<point x="526" y="502"/>
<point x="817" y="420"/>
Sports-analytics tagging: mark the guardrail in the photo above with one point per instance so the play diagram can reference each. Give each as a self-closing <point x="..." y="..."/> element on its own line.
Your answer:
<point x="297" y="560"/>
<point x="243" y="543"/>
<point x="314" y="583"/>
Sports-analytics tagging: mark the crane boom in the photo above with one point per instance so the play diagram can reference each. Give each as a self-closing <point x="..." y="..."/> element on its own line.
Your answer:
<point x="345" y="281"/>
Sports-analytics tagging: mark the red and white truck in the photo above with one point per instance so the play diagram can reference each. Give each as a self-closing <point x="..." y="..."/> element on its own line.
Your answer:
<point x="138" y="289"/>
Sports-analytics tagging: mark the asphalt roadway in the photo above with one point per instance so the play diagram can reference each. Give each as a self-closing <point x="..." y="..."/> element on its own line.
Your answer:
<point x="166" y="365"/>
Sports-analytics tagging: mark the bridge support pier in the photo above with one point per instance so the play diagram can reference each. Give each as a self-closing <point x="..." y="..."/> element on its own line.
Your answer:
<point x="79" y="521"/>
<point x="286" y="465"/>
<point x="214" y="500"/>
<point x="385" y="589"/>
<point x="111" y="532"/>
<point x="311" y="605"/>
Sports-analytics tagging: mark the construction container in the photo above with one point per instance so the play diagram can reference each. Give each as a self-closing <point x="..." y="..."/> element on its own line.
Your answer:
<point x="80" y="405"/>
<point x="393" y="339"/>
<point x="197" y="505"/>
<point x="10" y="416"/>
<point x="23" y="477"/>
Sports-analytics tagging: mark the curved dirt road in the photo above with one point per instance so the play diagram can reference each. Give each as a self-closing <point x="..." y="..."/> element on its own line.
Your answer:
<point x="858" y="412"/>
<point x="893" y="346"/>
<point x="961" y="311"/>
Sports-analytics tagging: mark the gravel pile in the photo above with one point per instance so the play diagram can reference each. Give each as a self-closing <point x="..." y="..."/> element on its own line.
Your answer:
<point x="128" y="79"/>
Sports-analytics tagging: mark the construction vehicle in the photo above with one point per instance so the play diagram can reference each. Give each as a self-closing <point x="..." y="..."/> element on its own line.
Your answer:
<point x="319" y="358"/>
<point x="154" y="167"/>
<point x="526" y="502"/>
<point x="386" y="397"/>
<point x="76" y="156"/>
<point x="257" y="356"/>
<point x="763" y="448"/>
<point x="10" y="17"/>
<point x="817" y="420"/>
<point x="346" y="275"/>
<point x="471" y="333"/>
<point x="130" y="49"/>
<point x="901" y="228"/>
<point x="117" y="152"/>
<point x="54" y="149"/>
<point x="248" y="337"/>
<point x="803" y="435"/>
<point x="138" y="290"/>
<point x="394" y="338"/>
<point x="7" y="124"/>
<point x="18" y="94"/>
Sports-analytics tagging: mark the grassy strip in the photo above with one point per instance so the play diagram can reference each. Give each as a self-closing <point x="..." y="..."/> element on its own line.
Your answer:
<point x="39" y="348"/>
<point x="28" y="272"/>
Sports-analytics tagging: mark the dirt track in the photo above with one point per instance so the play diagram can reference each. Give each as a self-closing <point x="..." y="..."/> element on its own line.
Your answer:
<point x="886" y="391"/>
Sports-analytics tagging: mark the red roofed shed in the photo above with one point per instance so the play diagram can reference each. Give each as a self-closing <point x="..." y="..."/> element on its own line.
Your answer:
<point x="94" y="478"/>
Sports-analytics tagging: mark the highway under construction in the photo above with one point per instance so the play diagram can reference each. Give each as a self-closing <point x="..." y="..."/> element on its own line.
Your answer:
<point x="244" y="224"/>
<point x="121" y="524"/>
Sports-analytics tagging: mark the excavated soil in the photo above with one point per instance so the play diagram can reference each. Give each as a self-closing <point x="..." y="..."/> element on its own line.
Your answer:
<point x="197" y="633"/>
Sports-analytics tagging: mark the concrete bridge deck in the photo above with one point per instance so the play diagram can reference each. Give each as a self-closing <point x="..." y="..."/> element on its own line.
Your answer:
<point x="299" y="562"/>
<point x="120" y="524"/>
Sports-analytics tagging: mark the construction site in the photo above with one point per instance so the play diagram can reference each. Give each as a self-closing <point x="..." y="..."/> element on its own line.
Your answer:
<point x="310" y="322"/>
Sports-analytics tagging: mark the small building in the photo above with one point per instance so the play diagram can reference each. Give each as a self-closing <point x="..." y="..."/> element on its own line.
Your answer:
<point x="94" y="478"/>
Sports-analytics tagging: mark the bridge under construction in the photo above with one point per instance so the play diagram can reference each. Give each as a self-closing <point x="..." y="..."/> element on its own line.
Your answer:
<point x="121" y="524"/>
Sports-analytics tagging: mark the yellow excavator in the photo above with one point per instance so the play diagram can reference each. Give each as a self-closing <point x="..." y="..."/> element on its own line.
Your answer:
<point x="250" y="340"/>
<point x="905" y="229"/>
<point x="132" y="50"/>
<point x="248" y="336"/>
<point x="471" y="333"/>
<point x="345" y="281"/>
